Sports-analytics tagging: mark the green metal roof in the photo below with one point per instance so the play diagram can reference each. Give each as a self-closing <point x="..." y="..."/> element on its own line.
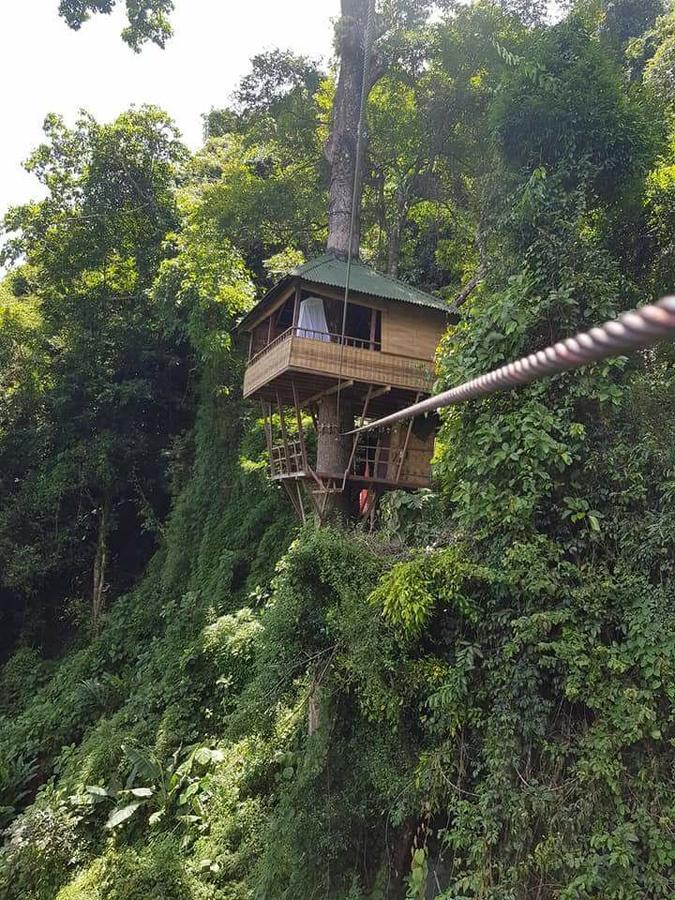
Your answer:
<point x="332" y="271"/>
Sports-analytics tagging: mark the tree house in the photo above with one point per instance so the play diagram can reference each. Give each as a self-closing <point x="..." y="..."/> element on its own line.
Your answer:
<point x="317" y="381"/>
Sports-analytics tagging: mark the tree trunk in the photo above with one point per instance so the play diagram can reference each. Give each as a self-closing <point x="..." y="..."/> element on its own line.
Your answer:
<point x="333" y="449"/>
<point x="341" y="149"/>
<point x="394" y="249"/>
<point x="400" y="859"/>
<point x="100" y="565"/>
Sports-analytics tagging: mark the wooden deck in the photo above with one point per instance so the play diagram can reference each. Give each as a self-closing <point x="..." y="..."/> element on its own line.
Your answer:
<point x="398" y="467"/>
<point x="323" y="356"/>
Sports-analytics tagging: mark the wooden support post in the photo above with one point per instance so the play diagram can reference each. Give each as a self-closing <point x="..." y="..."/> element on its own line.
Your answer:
<point x="355" y="441"/>
<point x="324" y="505"/>
<point x="365" y="408"/>
<point x="289" y="492"/>
<point x="269" y="330"/>
<point x="250" y="346"/>
<point x="267" y="415"/>
<point x="301" y="431"/>
<point x="319" y="498"/>
<point x="378" y="453"/>
<point x="298" y="488"/>
<point x="296" y="305"/>
<point x="373" y="328"/>
<point x="405" y="445"/>
<point x="284" y="435"/>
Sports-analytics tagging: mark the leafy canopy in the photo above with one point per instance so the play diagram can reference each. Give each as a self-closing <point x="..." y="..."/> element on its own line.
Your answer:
<point x="147" y="20"/>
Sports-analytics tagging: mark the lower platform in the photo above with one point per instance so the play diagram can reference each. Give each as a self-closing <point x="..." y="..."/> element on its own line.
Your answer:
<point x="408" y="484"/>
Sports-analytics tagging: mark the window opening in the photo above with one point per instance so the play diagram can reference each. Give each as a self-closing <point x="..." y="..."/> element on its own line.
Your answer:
<point x="285" y="315"/>
<point x="312" y="320"/>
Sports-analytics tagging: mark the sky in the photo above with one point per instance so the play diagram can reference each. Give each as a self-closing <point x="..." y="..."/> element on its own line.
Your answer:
<point x="45" y="67"/>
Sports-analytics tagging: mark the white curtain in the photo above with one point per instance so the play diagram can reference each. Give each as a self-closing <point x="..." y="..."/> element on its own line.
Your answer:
<point x="312" y="320"/>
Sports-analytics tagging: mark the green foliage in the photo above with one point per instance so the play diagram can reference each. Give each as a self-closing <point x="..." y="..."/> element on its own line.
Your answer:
<point x="155" y="872"/>
<point x="323" y="648"/>
<point x="656" y="49"/>
<point x="497" y="720"/>
<point x="412" y="591"/>
<point x="148" y="20"/>
<point x="179" y="786"/>
<point x="202" y="288"/>
<point x="115" y="716"/>
<point x="86" y="432"/>
<point x="42" y="847"/>
<point x="116" y="744"/>
<point x="283" y="263"/>
<point x="277" y="99"/>
<point x="626" y="19"/>
<point x="259" y="181"/>
<point x="21" y="676"/>
<point x="579" y="120"/>
<point x="411" y="518"/>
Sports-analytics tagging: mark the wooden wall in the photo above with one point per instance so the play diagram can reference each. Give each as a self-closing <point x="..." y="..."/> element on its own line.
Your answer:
<point x="367" y="366"/>
<point x="412" y="330"/>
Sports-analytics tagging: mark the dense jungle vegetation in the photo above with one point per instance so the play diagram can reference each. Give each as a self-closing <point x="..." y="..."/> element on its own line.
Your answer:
<point x="493" y="668"/>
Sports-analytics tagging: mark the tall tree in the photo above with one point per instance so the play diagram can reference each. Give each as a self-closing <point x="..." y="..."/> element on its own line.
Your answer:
<point x="341" y="149"/>
<point x="261" y="177"/>
<point x="369" y="42"/>
<point x="115" y="376"/>
<point x="393" y="43"/>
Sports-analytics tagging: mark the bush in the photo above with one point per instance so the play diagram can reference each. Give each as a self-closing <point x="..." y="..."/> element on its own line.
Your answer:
<point x="20" y="678"/>
<point x="155" y="872"/>
<point x="43" y="846"/>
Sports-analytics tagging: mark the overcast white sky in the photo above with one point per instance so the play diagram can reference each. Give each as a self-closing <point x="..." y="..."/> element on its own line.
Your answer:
<point x="45" y="67"/>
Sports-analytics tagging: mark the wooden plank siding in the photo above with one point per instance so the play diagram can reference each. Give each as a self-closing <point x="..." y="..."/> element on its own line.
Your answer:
<point x="267" y="366"/>
<point x="411" y="330"/>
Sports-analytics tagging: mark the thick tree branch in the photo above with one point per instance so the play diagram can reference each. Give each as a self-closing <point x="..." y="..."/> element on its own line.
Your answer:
<point x="469" y="287"/>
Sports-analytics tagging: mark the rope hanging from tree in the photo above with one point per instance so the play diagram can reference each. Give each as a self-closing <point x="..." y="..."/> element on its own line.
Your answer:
<point x="367" y="51"/>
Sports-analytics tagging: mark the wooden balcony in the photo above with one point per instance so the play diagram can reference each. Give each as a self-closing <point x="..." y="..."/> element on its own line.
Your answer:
<point x="370" y="464"/>
<point x="286" y="461"/>
<point x="393" y="467"/>
<point x="324" y="355"/>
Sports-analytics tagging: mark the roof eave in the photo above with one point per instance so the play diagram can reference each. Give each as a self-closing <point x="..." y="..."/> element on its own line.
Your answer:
<point x="263" y="303"/>
<point x="295" y="276"/>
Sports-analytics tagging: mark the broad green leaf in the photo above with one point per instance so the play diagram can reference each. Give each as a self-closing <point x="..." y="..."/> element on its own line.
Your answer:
<point x="97" y="791"/>
<point x="118" y="816"/>
<point x="142" y="792"/>
<point x="189" y="792"/>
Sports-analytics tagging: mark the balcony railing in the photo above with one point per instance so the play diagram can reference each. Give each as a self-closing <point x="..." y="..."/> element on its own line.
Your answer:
<point x="287" y="460"/>
<point x="391" y="464"/>
<point x="327" y="337"/>
<point x="370" y="463"/>
<point x="332" y="356"/>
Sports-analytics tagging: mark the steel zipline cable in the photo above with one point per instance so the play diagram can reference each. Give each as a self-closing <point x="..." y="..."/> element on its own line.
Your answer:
<point x="633" y="331"/>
